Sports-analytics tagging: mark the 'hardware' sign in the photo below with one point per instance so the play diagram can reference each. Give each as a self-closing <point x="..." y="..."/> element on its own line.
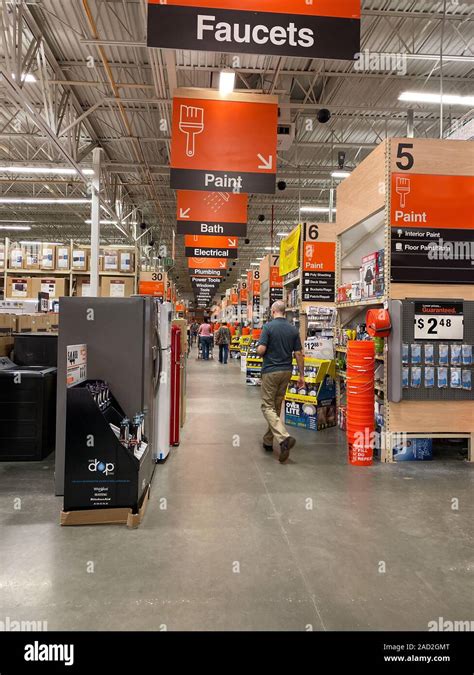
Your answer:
<point x="321" y="29"/>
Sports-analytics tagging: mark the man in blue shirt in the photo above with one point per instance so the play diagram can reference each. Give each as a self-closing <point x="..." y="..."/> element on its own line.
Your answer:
<point x="278" y="342"/>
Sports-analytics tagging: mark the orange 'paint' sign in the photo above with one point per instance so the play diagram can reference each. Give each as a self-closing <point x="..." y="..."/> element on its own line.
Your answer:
<point x="431" y="201"/>
<point x="319" y="257"/>
<point x="226" y="145"/>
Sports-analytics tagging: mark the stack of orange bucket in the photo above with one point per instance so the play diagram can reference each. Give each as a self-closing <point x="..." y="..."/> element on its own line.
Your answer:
<point x="360" y="401"/>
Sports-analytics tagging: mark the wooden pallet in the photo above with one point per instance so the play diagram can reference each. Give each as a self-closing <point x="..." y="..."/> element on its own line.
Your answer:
<point x="106" y="516"/>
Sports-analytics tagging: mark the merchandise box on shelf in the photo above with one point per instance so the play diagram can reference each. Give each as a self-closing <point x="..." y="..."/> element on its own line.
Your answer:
<point x="413" y="449"/>
<point x="115" y="287"/>
<point x="31" y="256"/>
<point x="55" y="286"/>
<point x="314" y="408"/>
<point x="48" y="256"/>
<point x="19" y="287"/>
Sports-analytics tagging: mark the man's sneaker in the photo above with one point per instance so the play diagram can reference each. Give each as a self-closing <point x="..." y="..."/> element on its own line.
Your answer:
<point x="268" y="448"/>
<point x="285" y="448"/>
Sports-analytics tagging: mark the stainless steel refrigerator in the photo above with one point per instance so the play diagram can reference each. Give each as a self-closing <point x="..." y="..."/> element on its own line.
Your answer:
<point x="124" y="348"/>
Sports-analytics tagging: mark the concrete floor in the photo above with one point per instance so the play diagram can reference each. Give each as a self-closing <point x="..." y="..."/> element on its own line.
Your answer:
<point x="237" y="548"/>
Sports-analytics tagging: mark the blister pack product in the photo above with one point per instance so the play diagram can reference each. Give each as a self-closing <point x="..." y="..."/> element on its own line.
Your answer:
<point x="415" y="354"/>
<point x="405" y="378"/>
<point x="442" y="378"/>
<point x="429" y="377"/>
<point x="429" y="354"/>
<point x="467" y="355"/>
<point x="455" y="378"/>
<point x="415" y="380"/>
<point x="405" y="354"/>
<point x="444" y="355"/>
<point x="467" y="380"/>
<point x="456" y="355"/>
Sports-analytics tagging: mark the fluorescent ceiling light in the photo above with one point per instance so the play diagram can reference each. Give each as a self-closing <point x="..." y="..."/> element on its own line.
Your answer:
<point x="255" y="264"/>
<point x="15" y="227"/>
<point x="340" y="174"/>
<point x="424" y="97"/>
<point x="48" y="170"/>
<point x="38" y="200"/>
<point x="271" y="248"/>
<point x="226" y="82"/>
<point x="103" y="222"/>
<point x="16" y="222"/>
<point x="315" y="209"/>
<point x="25" y="77"/>
<point x="282" y="234"/>
<point x="32" y="243"/>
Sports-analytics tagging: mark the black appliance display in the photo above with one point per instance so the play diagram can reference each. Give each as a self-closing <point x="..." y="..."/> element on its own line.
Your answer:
<point x="101" y="469"/>
<point x="27" y="411"/>
<point x="35" y="349"/>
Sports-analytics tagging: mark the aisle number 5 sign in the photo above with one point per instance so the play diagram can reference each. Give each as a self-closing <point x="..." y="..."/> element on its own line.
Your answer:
<point x="224" y="145"/>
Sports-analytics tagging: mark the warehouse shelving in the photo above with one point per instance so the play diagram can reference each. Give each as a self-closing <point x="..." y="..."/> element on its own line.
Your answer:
<point x="363" y="226"/>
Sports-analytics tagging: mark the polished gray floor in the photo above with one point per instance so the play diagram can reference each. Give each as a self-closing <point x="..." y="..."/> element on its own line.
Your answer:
<point x="233" y="540"/>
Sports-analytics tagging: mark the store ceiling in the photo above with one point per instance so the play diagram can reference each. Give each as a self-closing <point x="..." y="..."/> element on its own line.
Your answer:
<point x="90" y="60"/>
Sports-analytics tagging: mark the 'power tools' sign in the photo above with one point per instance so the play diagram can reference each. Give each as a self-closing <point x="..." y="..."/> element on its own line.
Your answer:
<point x="315" y="29"/>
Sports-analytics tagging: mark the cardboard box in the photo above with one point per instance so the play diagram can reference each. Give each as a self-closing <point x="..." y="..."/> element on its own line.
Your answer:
<point x="115" y="287"/>
<point x="16" y="257"/>
<point x="7" y="324"/>
<point x="6" y="346"/>
<point x="2" y="256"/>
<point x="56" y="287"/>
<point x="32" y="323"/>
<point x="126" y="261"/>
<point x="413" y="449"/>
<point x="83" y="287"/>
<point x="111" y="260"/>
<point x="19" y="287"/>
<point x="63" y="257"/>
<point x="48" y="256"/>
<point x="52" y="321"/>
<point x="312" y="416"/>
<point x="80" y="259"/>
<point x="31" y="256"/>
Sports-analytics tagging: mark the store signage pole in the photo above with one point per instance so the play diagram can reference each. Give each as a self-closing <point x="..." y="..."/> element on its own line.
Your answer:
<point x="95" y="222"/>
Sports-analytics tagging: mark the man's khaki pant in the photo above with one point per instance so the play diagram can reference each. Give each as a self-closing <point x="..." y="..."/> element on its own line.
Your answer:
<point x="273" y="392"/>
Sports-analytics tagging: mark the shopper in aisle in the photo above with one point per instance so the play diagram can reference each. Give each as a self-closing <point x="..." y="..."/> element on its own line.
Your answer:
<point x="205" y="336"/>
<point x="277" y="344"/>
<point x="194" y="331"/>
<point x="222" y="339"/>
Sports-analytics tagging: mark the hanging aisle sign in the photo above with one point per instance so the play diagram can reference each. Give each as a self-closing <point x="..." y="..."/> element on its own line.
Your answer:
<point x="211" y="247"/>
<point x="224" y="144"/>
<point x="212" y="213"/>
<point x="321" y="29"/>
<point x="290" y="252"/>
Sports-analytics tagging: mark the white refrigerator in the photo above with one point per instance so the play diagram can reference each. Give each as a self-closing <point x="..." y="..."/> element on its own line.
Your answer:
<point x="163" y="400"/>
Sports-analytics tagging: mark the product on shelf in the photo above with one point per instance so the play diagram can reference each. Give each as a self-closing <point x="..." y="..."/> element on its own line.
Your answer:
<point x="314" y="406"/>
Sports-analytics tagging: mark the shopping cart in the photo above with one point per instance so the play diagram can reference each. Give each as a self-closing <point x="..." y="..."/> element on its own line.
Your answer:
<point x="200" y="352"/>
